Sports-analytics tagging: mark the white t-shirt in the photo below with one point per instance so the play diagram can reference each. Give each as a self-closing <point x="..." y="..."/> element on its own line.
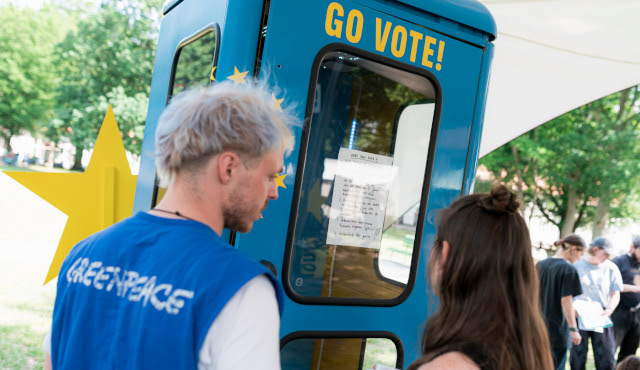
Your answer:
<point x="245" y="335"/>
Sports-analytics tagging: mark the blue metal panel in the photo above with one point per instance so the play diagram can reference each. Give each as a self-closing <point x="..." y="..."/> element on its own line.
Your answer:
<point x="240" y="38"/>
<point x="478" y="121"/>
<point x="468" y="12"/>
<point x="425" y="19"/>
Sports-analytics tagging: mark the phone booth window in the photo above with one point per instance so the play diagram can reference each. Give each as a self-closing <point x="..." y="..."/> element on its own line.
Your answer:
<point x="195" y="62"/>
<point x="192" y="68"/>
<point x="345" y="353"/>
<point x="360" y="207"/>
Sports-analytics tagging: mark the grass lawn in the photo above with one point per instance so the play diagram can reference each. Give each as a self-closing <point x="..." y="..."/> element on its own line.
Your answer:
<point x="25" y="317"/>
<point x="34" y="169"/>
<point x="16" y="169"/>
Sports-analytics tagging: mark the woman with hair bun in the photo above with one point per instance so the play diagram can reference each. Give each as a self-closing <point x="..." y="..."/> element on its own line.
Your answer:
<point x="559" y="283"/>
<point x="483" y="273"/>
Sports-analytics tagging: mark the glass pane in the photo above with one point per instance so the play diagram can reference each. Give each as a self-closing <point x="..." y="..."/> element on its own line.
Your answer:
<point x="410" y="155"/>
<point x="195" y="63"/>
<point x="380" y="354"/>
<point x="339" y="354"/>
<point x="362" y="183"/>
<point x="194" y="68"/>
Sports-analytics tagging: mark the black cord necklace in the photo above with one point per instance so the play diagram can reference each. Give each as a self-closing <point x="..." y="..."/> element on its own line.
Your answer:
<point x="173" y="213"/>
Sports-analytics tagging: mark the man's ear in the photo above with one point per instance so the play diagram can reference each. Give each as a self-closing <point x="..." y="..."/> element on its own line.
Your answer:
<point x="227" y="165"/>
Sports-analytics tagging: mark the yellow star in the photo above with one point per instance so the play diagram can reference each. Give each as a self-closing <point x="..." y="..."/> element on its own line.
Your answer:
<point x="211" y="76"/>
<point x="280" y="180"/>
<point x="238" y="77"/>
<point x="93" y="200"/>
<point x="277" y="102"/>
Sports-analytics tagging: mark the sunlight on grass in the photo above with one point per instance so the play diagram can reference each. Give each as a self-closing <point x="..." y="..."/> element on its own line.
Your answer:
<point x="35" y="169"/>
<point x="20" y="347"/>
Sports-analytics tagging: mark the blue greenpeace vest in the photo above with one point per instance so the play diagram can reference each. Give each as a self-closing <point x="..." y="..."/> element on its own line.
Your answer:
<point x="143" y="294"/>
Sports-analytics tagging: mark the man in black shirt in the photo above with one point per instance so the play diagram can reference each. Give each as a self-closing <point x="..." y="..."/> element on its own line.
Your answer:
<point x="626" y="317"/>
<point x="559" y="283"/>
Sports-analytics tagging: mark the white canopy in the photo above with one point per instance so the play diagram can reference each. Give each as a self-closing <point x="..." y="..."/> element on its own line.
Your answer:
<point x="552" y="56"/>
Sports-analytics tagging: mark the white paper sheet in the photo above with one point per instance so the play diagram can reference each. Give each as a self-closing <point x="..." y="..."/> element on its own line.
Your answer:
<point x="359" y="199"/>
<point x="590" y="316"/>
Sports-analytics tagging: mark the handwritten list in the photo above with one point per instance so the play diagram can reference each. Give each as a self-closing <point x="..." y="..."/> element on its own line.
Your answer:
<point x="358" y="205"/>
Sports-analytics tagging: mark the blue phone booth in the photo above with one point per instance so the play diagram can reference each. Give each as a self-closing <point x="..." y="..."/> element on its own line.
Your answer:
<point x="391" y="95"/>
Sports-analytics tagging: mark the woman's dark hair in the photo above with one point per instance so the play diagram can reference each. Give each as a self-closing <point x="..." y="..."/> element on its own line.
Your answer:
<point x="572" y="239"/>
<point x="629" y="363"/>
<point x="487" y="286"/>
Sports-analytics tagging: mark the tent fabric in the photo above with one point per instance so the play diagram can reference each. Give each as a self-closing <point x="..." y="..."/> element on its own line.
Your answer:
<point x="552" y="56"/>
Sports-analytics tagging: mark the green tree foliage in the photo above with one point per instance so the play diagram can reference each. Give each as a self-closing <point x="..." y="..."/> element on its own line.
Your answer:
<point x="26" y="70"/>
<point x="109" y="58"/>
<point x="579" y="168"/>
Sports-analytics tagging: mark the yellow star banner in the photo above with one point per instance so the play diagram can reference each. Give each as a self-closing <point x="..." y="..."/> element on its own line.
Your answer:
<point x="93" y="200"/>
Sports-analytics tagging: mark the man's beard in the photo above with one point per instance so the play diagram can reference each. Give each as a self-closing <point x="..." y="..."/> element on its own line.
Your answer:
<point x="236" y="213"/>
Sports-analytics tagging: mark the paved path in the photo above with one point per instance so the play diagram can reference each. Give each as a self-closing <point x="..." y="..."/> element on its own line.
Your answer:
<point x="30" y="229"/>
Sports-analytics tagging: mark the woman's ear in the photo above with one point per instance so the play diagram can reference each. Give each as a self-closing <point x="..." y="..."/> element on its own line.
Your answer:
<point x="445" y="251"/>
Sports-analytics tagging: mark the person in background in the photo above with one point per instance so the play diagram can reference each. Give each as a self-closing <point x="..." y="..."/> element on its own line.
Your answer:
<point x="559" y="283"/>
<point x="161" y="289"/>
<point x="626" y="317"/>
<point x="601" y="283"/>
<point x="483" y="273"/>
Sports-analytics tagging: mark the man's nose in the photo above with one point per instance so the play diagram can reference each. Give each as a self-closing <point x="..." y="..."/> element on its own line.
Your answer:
<point x="273" y="195"/>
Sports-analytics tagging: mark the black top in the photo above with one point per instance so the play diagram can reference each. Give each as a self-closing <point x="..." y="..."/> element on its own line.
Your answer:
<point x="477" y="355"/>
<point x="630" y="271"/>
<point x="558" y="278"/>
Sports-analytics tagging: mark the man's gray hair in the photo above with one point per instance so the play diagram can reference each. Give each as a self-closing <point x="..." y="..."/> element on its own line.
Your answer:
<point x="636" y="241"/>
<point x="200" y="123"/>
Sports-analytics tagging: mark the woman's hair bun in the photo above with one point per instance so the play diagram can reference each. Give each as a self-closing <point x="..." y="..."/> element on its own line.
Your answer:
<point x="500" y="200"/>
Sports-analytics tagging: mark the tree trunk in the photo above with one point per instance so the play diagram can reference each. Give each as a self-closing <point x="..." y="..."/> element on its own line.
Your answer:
<point x="600" y="217"/>
<point x="570" y="216"/>
<point x="77" y="159"/>
<point x="520" y="191"/>
<point x="7" y="141"/>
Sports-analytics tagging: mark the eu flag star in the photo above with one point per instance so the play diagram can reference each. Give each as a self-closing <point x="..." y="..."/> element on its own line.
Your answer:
<point x="238" y="77"/>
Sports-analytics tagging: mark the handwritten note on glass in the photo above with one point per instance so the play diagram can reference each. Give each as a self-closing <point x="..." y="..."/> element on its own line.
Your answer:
<point x="359" y="199"/>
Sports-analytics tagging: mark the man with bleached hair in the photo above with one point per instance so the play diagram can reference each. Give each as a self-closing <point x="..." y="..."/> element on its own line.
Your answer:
<point x="161" y="289"/>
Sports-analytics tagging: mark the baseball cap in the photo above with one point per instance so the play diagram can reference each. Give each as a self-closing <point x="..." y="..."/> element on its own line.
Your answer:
<point x="604" y="243"/>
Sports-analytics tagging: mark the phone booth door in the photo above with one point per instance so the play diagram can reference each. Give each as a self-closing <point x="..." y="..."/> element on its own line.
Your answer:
<point x="388" y="98"/>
